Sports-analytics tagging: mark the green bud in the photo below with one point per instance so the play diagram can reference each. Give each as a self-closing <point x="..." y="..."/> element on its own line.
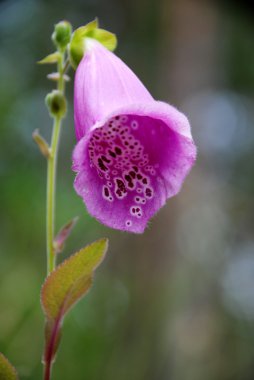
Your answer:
<point x="62" y="34"/>
<point x="77" y="47"/>
<point x="56" y="103"/>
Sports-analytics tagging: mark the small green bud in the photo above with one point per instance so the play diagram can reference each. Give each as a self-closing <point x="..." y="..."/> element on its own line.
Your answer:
<point x="62" y="34"/>
<point x="56" y="103"/>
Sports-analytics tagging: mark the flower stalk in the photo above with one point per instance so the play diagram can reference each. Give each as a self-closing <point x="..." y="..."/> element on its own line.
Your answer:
<point x="51" y="171"/>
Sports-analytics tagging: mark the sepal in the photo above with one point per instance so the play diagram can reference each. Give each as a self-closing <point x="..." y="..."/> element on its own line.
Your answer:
<point x="42" y="143"/>
<point x="51" y="58"/>
<point x="79" y="39"/>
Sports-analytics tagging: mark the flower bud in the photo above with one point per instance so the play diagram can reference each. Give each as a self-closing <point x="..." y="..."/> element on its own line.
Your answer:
<point x="62" y="34"/>
<point x="56" y="103"/>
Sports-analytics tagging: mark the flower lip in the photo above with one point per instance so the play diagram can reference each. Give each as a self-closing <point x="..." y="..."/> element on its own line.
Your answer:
<point x="103" y="83"/>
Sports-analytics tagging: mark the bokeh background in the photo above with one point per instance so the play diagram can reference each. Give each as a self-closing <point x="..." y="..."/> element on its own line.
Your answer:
<point x="177" y="302"/>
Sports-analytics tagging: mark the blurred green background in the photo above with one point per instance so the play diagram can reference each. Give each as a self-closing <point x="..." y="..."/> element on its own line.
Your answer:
<point x="176" y="303"/>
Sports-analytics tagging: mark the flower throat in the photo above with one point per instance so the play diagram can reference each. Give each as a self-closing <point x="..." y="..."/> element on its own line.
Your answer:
<point x="122" y="164"/>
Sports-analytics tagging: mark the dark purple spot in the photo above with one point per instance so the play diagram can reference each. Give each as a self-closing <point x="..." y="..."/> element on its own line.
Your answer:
<point x="105" y="159"/>
<point x="148" y="192"/>
<point x="144" y="181"/>
<point x="106" y="191"/>
<point x="135" y="168"/>
<point x="127" y="177"/>
<point x="112" y="154"/>
<point x="118" y="150"/>
<point x="132" y="173"/>
<point x="120" y="185"/>
<point x="101" y="165"/>
<point x="139" y="176"/>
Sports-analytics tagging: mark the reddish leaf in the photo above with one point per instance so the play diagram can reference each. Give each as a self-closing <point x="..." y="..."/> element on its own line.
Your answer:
<point x="69" y="282"/>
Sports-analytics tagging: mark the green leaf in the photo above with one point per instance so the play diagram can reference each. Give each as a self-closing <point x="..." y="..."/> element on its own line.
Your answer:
<point x="7" y="371"/>
<point x="71" y="280"/>
<point x="63" y="234"/>
<point x="51" y="58"/>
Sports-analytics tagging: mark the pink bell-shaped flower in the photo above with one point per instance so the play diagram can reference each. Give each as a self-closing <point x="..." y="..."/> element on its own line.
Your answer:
<point x="133" y="153"/>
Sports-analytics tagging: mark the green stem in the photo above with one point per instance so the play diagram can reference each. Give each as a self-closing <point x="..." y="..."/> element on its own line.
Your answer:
<point x="60" y="67"/>
<point x="51" y="188"/>
<point x="51" y="177"/>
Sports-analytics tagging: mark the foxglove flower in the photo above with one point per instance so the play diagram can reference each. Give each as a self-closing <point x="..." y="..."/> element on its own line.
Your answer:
<point x="133" y="152"/>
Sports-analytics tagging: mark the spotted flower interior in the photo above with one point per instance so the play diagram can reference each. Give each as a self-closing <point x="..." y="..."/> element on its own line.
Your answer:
<point x="127" y="158"/>
<point x="123" y="154"/>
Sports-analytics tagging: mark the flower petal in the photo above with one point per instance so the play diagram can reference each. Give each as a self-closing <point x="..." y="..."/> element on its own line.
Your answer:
<point x="102" y="83"/>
